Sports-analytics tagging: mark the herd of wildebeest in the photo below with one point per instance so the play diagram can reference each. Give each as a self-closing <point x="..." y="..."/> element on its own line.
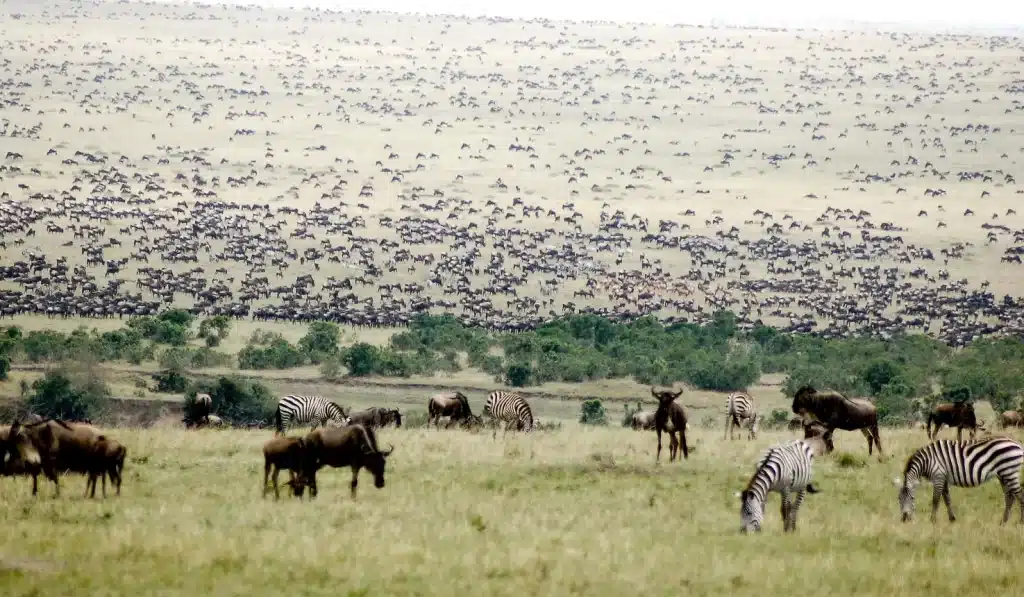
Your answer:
<point x="538" y="187"/>
<point x="52" y="447"/>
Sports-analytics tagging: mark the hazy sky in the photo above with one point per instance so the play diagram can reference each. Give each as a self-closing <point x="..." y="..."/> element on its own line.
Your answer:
<point x="915" y="13"/>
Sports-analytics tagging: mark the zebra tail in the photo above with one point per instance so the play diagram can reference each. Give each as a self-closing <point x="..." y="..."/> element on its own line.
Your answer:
<point x="278" y="423"/>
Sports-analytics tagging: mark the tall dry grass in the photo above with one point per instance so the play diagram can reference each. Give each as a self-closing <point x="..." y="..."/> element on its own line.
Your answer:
<point x="582" y="511"/>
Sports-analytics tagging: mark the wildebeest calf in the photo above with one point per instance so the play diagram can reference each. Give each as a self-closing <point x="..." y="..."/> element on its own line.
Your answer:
<point x="285" y="453"/>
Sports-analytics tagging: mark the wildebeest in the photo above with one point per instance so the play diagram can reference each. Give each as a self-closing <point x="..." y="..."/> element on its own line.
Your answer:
<point x="670" y="418"/>
<point x="202" y="407"/>
<point x="354" y="446"/>
<point x="1011" y="418"/>
<point x="836" y="411"/>
<point x="642" y="420"/>
<point x="375" y="417"/>
<point x="954" y="414"/>
<point x="453" y="405"/>
<point x="52" y="447"/>
<point x="282" y="453"/>
<point x="109" y="456"/>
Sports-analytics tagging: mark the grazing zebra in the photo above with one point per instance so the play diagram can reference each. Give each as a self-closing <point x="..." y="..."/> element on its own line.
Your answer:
<point x="739" y="409"/>
<point x="785" y="468"/>
<point x="307" y="409"/>
<point x="510" y="408"/>
<point x="963" y="464"/>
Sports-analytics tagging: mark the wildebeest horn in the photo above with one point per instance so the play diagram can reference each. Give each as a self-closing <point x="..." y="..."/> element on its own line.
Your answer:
<point x="389" y="451"/>
<point x="653" y="393"/>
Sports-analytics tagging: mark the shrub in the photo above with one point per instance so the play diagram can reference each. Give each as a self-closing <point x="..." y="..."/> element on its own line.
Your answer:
<point x="58" y="396"/>
<point x="170" y="382"/>
<point x="592" y="413"/>
<point x="236" y="400"/>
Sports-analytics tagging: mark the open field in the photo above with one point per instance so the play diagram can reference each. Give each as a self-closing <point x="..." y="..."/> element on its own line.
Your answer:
<point x="364" y="167"/>
<point x="573" y="512"/>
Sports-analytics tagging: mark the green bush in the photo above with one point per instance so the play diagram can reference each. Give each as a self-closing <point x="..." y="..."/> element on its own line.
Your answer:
<point x="592" y="413"/>
<point x="276" y="353"/>
<point x="237" y="400"/>
<point x="170" y="382"/>
<point x="57" y="395"/>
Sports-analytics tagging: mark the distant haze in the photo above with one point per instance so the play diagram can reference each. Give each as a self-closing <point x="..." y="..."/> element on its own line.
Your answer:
<point x="941" y="15"/>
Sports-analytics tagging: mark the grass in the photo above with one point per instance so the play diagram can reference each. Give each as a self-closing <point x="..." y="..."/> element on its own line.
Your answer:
<point x="582" y="511"/>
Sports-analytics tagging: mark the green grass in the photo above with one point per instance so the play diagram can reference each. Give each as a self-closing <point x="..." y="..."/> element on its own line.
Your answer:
<point x="575" y="512"/>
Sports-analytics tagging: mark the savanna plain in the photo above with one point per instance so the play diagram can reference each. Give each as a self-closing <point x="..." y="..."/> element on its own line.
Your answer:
<point x="275" y="107"/>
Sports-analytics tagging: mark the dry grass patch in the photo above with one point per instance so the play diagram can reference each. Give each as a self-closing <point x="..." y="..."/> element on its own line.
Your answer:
<point x="579" y="511"/>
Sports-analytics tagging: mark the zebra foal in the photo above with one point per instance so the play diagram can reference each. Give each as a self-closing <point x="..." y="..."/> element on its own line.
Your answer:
<point x="739" y="408"/>
<point x="962" y="464"/>
<point x="305" y="410"/>
<point x="510" y="408"/>
<point x="785" y="468"/>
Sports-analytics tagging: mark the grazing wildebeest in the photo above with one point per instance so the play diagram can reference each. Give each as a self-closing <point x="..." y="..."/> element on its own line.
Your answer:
<point x="375" y="417"/>
<point x="836" y="411"/>
<point x="52" y="447"/>
<point x="670" y="418"/>
<point x="787" y="469"/>
<point x="282" y="453"/>
<point x="453" y="405"/>
<point x="353" y="445"/>
<point x="1011" y="418"/>
<point x="962" y="464"/>
<point x="954" y="414"/>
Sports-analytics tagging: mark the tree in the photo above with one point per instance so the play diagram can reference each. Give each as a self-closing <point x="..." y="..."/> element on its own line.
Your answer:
<point x="57" y="396"/>
<point x="321" y="340"/>
<point x="592" y="413"/>
<point x="361" y="359"/>
<point x="215" y="329"/>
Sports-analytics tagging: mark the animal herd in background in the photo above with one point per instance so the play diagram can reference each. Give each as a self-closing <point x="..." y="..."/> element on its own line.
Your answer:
<point x="338" y="439"/>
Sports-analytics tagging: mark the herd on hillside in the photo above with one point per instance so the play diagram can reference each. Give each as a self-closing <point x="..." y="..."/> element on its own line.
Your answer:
<point x="340" y="439"/>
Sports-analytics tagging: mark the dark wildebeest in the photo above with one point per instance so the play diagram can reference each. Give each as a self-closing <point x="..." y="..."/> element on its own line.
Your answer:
<point x="954" y="414"/>
<point x="375" y="417"/>
<point x="52" y="447"/>
<point x="670" y="418"/>
<point x="354" y="446"/>
<point x="836" y="411"/>
<point x="1011" y="418"/>
<point x="285" y="453"/>
<point x="453" y="405"/>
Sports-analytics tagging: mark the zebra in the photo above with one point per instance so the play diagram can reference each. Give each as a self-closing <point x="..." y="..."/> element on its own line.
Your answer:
<point x="739" y="409"/>
<point x="308" y="409"/>
<point x="785" y="468"/>
<point x="962" y="464"/>
<point x="510" y="408"/>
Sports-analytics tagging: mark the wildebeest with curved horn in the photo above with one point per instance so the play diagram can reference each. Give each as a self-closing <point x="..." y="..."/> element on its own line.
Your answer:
<point x="354" y="446"/>
<point x="954" y="414"/>
<point x="670" y="418"/>
<point x="453" y="405"/>
<point x="836" y="411"/>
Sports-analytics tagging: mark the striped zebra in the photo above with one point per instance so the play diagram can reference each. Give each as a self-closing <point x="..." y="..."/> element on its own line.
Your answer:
<point x="785" y="468"/>
<point x="510" y="408"/>
<point x="739" y="409"/>
<point x="302" y="410"/>
<point x="963" y="464"/>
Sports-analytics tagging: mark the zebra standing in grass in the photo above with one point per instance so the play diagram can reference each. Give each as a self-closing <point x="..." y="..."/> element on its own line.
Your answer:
<point x="302" y="410"/>
<point x="963" y="464"/>
<point x="739" y="408"/>
<point x="510" y="408"/>
<point x="785" y="468"/>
